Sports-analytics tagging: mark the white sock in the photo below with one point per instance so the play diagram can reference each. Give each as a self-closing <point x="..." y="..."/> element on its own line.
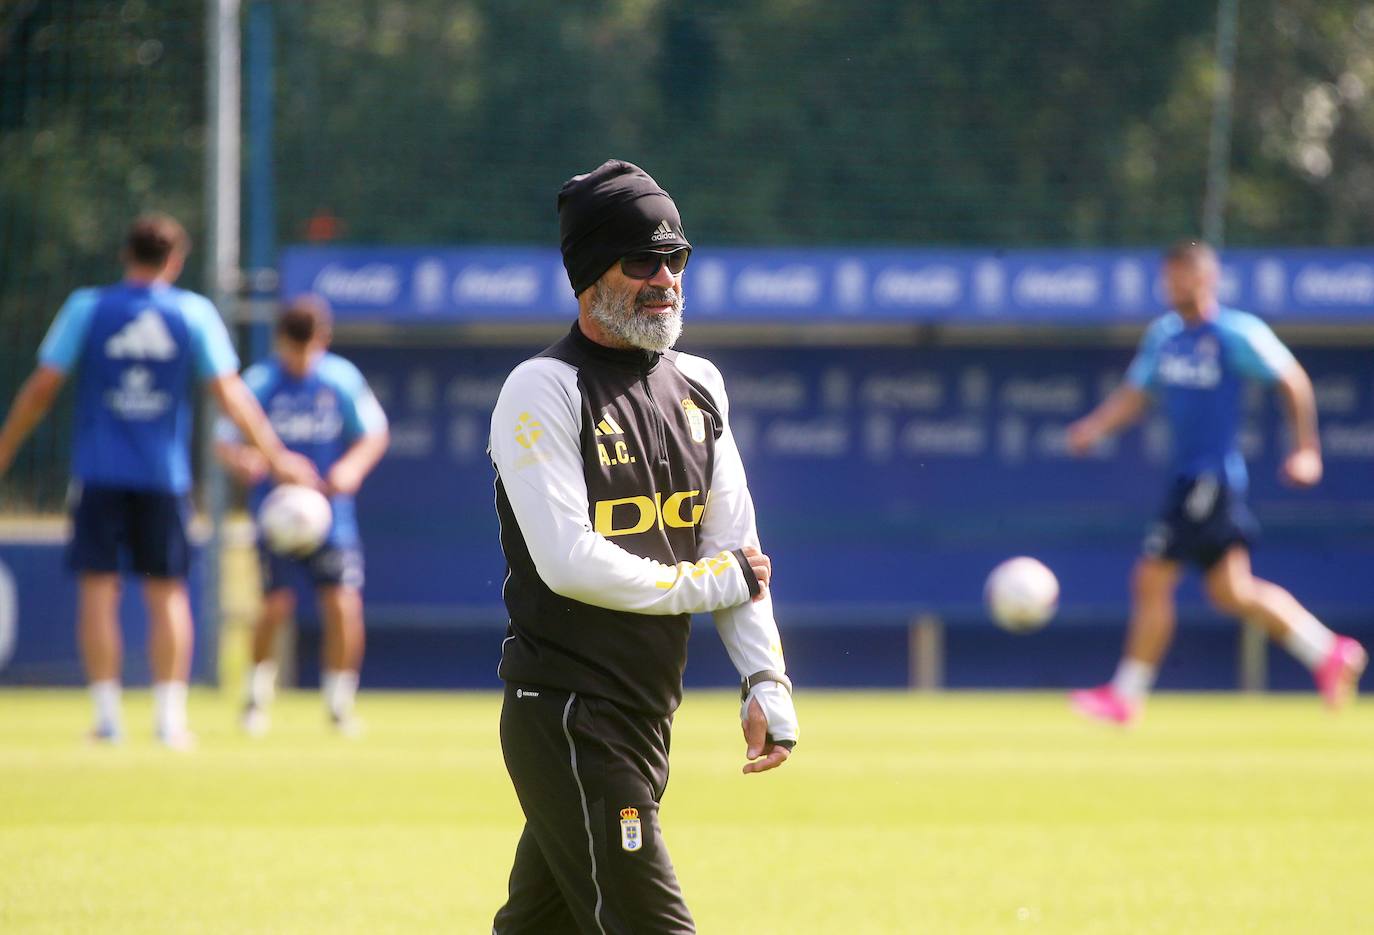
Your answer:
<point x="105" y="697"/>
<point x="169" y="708"/>
<point x="340" y="686"/>
<point x="1133" y="679"/>
<point x="262" y="683"/>
<point x="1309" y="640"/>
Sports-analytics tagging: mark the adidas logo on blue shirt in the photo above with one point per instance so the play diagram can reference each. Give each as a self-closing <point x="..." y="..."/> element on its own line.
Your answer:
<point x="144" y="338"/>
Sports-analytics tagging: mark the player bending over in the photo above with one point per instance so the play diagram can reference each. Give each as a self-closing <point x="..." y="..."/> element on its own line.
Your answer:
<point x="322" y="408"/>
<point x="1194" y="361"/>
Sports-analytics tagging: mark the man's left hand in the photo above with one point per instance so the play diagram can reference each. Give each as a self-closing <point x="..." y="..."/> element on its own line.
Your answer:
<point x="1302" y="468"/>
<point x="762" y="754"/>
<point x="344" y="479"/>
<point x="762" y="567"/>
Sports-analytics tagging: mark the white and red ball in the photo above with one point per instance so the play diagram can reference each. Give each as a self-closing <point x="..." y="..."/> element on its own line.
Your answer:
<point x="294" y="520"/>
<point x="1021" y="594"/>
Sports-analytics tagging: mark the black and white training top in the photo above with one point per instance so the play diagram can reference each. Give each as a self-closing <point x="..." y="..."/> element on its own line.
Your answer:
<point x="623" y="508"/>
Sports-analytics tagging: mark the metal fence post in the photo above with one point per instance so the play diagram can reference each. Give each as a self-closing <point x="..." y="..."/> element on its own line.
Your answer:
<point x="221" y="278"/>
<point x="1219" y="141"/>
<point x="926" y="653"/>
<point x="1253" y="659"/>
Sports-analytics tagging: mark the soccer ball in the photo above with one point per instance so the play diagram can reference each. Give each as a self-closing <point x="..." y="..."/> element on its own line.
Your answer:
<point x="294" y="520"/>
<point x="1022" y="594"/>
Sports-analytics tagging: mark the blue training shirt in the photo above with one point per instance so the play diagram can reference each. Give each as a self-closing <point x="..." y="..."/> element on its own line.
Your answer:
<point x="137" y="347"/>
<point x="320" y="416"/>
<point x="1197" y="374"/>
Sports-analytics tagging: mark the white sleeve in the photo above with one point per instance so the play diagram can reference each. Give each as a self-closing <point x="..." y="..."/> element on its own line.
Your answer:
<point x="536" y="448"/>
<point x="749" y="631"/>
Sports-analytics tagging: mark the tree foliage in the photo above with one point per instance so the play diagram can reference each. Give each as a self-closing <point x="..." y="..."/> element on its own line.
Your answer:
<point x="978" y="122"/>
<point x="1064" y="122"/>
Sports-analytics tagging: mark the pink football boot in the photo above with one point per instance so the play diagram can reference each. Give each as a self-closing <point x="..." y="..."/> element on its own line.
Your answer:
<point x="1339" y="676"/>
<point x="1104" y="704"/>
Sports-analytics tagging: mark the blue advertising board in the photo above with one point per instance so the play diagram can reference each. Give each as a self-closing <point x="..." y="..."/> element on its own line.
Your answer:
<point x="38" y="617"/>
<point x="889" y="480"/>
<point x="884" y="477"/>
<point x="412" y="284"/>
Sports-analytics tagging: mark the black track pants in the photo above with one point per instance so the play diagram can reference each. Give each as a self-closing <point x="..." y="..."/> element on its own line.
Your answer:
<point x="591" y="859"/>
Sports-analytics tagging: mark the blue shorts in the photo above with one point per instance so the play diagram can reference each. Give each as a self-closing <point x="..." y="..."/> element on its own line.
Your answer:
<point x="1202" y="518"/>
<point x="115" y="529"/>
<point x="328" y="565"/>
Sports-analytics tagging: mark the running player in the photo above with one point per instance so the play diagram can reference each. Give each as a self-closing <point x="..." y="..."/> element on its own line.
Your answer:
<point x="1195" y="361"/>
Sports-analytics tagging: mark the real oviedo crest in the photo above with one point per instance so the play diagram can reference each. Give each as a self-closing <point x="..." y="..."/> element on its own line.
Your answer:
<point x="630" y="837"/>
<point x="695" y="420"/>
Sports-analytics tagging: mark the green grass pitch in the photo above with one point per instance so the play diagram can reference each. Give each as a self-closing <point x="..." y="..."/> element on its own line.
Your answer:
<point x="899" y="813"/>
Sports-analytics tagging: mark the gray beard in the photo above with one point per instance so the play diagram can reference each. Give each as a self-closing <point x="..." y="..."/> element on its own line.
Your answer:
<point x="626" y="320"/>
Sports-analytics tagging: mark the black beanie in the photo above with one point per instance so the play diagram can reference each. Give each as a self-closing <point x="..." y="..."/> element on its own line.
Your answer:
<point x="613" y="210"/>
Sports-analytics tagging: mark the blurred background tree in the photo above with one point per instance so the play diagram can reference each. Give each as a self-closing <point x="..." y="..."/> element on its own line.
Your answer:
<point x="777" y="121"/>
<point x="1057" y="123"/>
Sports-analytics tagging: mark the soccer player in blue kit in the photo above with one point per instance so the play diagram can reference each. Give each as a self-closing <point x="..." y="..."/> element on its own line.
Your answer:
<point x="138" y="344"/>
<point x="322" y="408"/>
<point x="1194" y="362"/>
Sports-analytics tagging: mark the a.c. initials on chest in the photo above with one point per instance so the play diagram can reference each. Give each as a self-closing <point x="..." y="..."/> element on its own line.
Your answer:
<point x="632" y="488"/>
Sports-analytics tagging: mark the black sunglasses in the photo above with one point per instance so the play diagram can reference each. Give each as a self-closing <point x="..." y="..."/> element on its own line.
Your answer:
<point x="646" y="263"/>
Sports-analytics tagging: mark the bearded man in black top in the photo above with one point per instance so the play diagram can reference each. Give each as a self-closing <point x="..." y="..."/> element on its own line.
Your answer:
<point x="624" y="510"/>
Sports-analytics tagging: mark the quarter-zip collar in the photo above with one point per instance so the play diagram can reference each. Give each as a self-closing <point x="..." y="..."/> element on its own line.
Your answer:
<point x="630" y="359"/>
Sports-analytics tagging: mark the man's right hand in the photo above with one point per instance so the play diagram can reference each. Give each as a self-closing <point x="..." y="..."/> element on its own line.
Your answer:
<point x="291" y="467"/>
<point x="762" y="567"/>
<point x="246" y="464"/>
<point x="1083" y="436"/>
<point x="1302" y="468"/>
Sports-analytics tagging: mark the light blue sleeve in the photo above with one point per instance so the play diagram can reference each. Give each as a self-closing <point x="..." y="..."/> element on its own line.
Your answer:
<point x="1254" y="348"/>
<point x="61" y="348"/>
<point x="362" y="413"/>
<point x="258" y="379"/>
<point x="1141" y="372"/>
<point x="214" y="352"/>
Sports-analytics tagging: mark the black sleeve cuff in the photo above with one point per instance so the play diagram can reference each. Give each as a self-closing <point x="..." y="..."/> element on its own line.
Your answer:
<point x="749" y="576"/>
